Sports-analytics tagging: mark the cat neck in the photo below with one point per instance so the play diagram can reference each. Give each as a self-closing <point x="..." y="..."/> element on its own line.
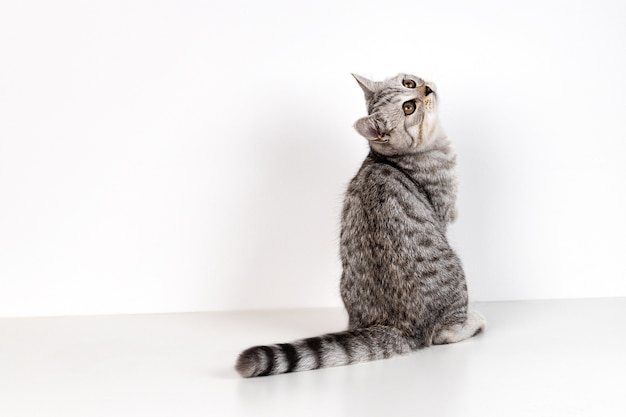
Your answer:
<point x="436" y="156"/>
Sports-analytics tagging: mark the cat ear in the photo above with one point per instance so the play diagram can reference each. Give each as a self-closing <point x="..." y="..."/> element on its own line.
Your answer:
<point x="369" y="87"/>
<point x="370" y="129"/>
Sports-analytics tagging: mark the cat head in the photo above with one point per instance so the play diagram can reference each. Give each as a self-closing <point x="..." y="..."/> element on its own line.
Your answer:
<point x="402" y="114"/>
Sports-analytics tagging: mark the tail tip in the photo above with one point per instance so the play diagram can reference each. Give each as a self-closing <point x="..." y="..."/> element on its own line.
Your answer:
<point x="248" y="363"/>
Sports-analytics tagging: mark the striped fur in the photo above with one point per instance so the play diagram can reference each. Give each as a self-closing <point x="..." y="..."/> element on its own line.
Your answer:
<point x="402" y="284"/>
<point x="335" y="349"/>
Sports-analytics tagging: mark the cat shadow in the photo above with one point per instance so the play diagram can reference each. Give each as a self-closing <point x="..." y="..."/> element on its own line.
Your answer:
<point x="479" y="234"/>
<point x="287" y="236"/>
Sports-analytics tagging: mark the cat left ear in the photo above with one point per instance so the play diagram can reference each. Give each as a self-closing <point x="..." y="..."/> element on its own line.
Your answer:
<point x="370" y="129"/>
<point x="368" y="86"/>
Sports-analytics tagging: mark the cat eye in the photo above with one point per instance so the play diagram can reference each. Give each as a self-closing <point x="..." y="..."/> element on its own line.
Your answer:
<point x="409" y="83"/>
<point x="409" y="107"/>
<point x="427" y="90"/>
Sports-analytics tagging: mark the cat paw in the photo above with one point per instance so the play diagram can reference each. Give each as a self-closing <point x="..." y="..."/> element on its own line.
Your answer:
<point x="453" y="213"/>
<point x="477" y="321"/>
<point x="474" y="324"/>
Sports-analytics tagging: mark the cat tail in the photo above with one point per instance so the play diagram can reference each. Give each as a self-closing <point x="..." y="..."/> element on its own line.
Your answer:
<point x="333" y="349"/>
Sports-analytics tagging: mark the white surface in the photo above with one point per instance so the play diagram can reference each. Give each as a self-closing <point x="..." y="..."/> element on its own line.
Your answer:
<point x="541" y="358"/>
<point x="191" y="155"/>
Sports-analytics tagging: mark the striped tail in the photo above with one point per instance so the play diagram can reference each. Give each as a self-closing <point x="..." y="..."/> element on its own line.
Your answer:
<point x="334" y="349"/>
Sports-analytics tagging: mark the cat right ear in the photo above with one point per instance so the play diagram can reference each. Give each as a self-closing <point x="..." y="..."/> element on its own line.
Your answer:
<point x="369" y="87"/>
<point x="370" y="129"/>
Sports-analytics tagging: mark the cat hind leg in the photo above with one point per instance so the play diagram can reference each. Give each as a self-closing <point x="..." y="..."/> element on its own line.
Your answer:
<point x="474" y="324"/>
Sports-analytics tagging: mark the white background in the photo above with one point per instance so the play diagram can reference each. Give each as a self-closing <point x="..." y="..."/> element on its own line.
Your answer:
<point x="188" y="155"/>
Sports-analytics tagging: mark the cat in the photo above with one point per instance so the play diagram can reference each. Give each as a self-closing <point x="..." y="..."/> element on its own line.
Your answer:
<point x="402" y="285"/>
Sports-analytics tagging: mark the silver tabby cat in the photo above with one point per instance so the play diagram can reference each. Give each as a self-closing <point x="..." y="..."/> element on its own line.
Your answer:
<point x="402" y="284"/>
